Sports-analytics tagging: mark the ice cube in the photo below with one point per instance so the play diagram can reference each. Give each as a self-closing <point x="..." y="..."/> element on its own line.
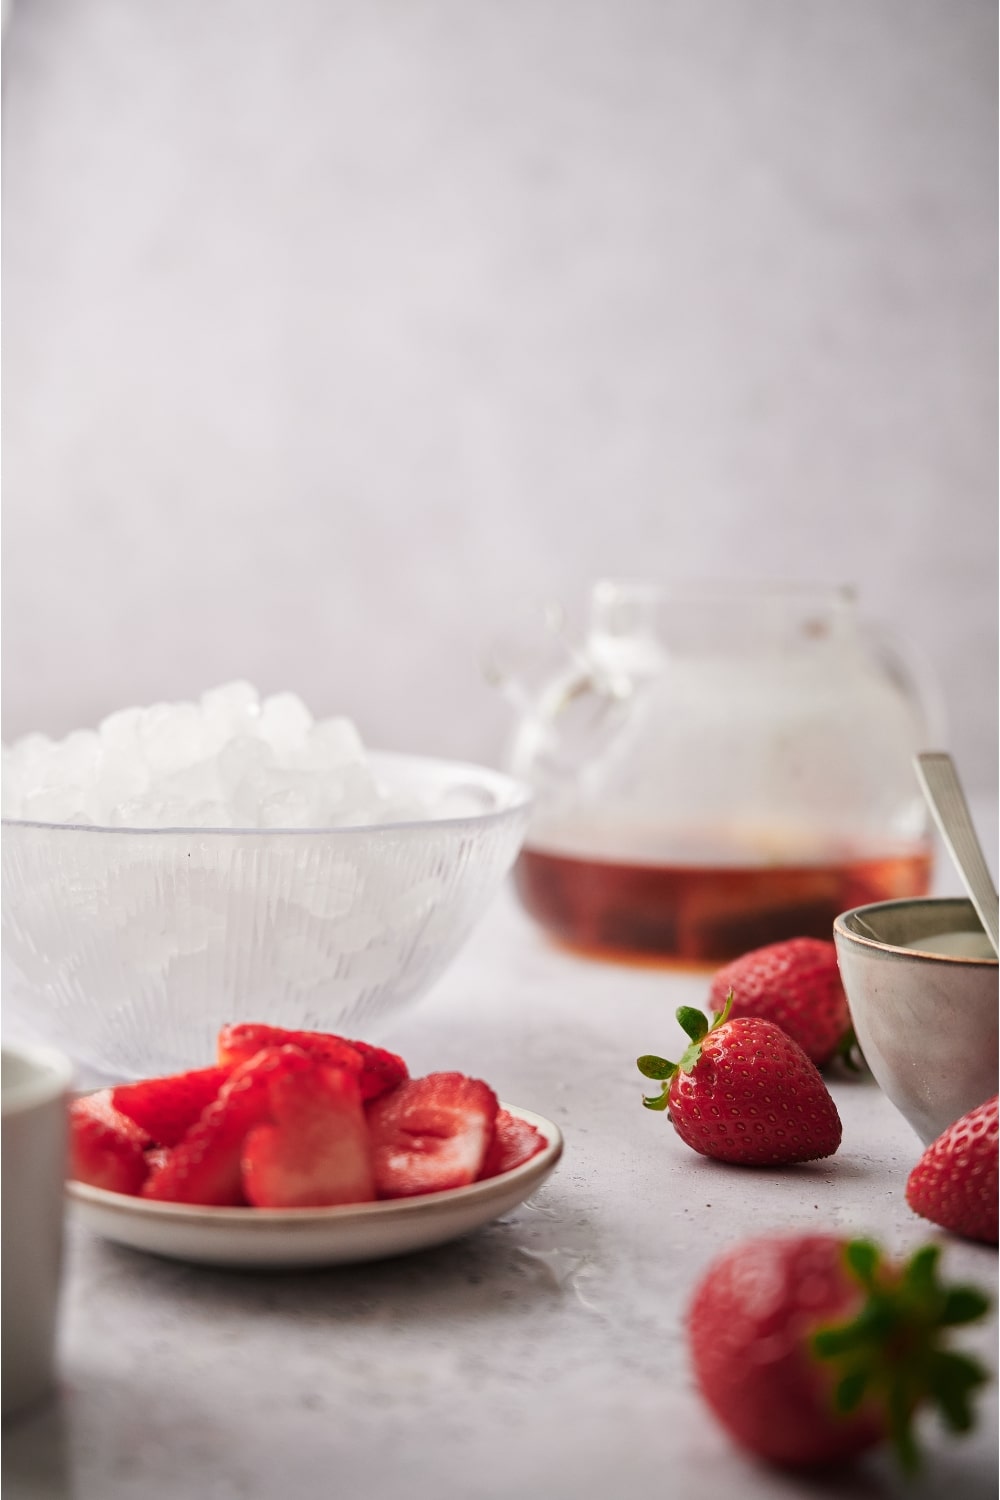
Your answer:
<point x="173" y="812"/>
<point x="240" y="758"/>
<point x="244" y="767"/>
<point x="226" y="761"/>
<point x="401" y="808"/>
<point x="462" y="801"/>
<point x="29" y="745"/>
<point x="26" y="765"/>
<point x="47" y="765"/>
<point x="195" y="783"/>
<point x="330" y="744"/>
<point x="210" y="813"/>
<point x="228" y="712"/>
<point x="125" y="814"/>
<point x="76" y="758"/>
<point x="353" y="796"/>
<point x="15" y="778"/>
<point x="120" y="778"/>
<point x="119" y="732"/>
<point x="11" y="799"/>
<point x="171" y="736"/>
<point x="294" y="806"/>
<point x="64" y="804"/>
<point x="284" y="723"/>
<point x="244" y="803"/>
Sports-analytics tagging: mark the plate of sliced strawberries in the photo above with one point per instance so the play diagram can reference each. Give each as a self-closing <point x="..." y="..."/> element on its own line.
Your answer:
<point x="300" y="1148"/>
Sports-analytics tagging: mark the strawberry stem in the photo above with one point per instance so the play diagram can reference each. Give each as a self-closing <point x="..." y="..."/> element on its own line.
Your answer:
<point x="891" y="1354"/>
<point x="695" y="1025"/>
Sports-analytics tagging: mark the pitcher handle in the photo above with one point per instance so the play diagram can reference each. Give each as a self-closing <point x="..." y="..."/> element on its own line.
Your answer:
<point x="522" y="663"/>
<point x="912" y="672"/>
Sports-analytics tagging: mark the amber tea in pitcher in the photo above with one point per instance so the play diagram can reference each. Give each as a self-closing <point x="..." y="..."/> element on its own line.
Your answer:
<point x="719" y="769"/>
<point x="701" y="914"/>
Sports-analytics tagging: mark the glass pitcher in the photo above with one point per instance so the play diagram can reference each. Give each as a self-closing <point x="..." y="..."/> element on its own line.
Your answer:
<point x="719" y="768"/>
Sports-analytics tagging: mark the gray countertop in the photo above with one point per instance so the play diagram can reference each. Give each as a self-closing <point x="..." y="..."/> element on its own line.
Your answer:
<point x="543" y="1356"/>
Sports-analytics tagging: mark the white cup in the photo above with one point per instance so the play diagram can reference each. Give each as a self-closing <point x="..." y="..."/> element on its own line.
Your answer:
<point x="34" y="1090"/>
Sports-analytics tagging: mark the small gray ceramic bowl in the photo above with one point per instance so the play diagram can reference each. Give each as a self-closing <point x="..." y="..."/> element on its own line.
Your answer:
<point x="924" y="997"/>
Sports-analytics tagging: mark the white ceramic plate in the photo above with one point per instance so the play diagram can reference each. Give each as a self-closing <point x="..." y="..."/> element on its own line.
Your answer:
<point x="279" y="1238"/>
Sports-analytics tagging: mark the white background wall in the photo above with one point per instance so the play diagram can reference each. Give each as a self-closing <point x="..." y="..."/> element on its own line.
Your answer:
<point x="333" y="329"/>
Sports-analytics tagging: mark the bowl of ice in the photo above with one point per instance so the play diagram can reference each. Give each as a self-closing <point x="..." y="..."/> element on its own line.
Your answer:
<point x="185" y="865"/>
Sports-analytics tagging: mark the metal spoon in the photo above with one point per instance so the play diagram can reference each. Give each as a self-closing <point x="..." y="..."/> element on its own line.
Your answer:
<point x="939" y="779"/>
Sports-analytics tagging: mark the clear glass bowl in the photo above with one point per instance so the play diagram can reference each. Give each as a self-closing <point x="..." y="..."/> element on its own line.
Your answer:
<point x="129" y="948"/>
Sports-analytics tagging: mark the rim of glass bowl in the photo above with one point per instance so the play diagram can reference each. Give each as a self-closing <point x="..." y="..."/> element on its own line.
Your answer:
<point x="520" y="799"/>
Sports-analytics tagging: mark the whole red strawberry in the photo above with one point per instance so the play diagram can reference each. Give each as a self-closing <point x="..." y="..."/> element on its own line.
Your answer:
<point x="744" y="1092"/>
<point x="954" y="1184"/>
<point x="811" y="1348"/>
<point x="796" y="984"/>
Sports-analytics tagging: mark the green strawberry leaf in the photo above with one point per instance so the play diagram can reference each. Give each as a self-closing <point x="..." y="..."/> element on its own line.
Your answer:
<point x="651" y="1066"/>
<point x="846" y="1337"/>
<point x="892" y="1353"/>
<point x="920" y="1275"/>
<point x="901" y="1430"/>
<point x="693" y="1022"/>
<point x="697" y="1028"/>
<point x="863" y="1258"/>
<point x="851" y="1389"/>
<point x="963" y="1304"/>
<point x="953" y="1379"/>
<point x="657" y="1101"/>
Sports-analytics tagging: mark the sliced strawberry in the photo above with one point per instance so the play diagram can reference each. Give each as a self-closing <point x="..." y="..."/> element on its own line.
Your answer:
<point x="378" y="1071"/>
<point x="430" y="1134"/>
<point x="167" y="1107"/>
<point x="204" y="1167"/>
<point x="106" y="1148"/>
<point x="514" y="1142"/>
<point x="382" y="1070"/>
<point x="317" y="1152"/>
<point x="238" y="1043"/>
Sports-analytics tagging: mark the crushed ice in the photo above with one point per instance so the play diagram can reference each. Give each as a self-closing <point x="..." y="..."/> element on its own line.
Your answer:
<point x="231" y="760"/>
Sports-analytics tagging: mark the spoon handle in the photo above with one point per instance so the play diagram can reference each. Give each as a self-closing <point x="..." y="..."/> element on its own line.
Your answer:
<point x="943" y="790"/>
